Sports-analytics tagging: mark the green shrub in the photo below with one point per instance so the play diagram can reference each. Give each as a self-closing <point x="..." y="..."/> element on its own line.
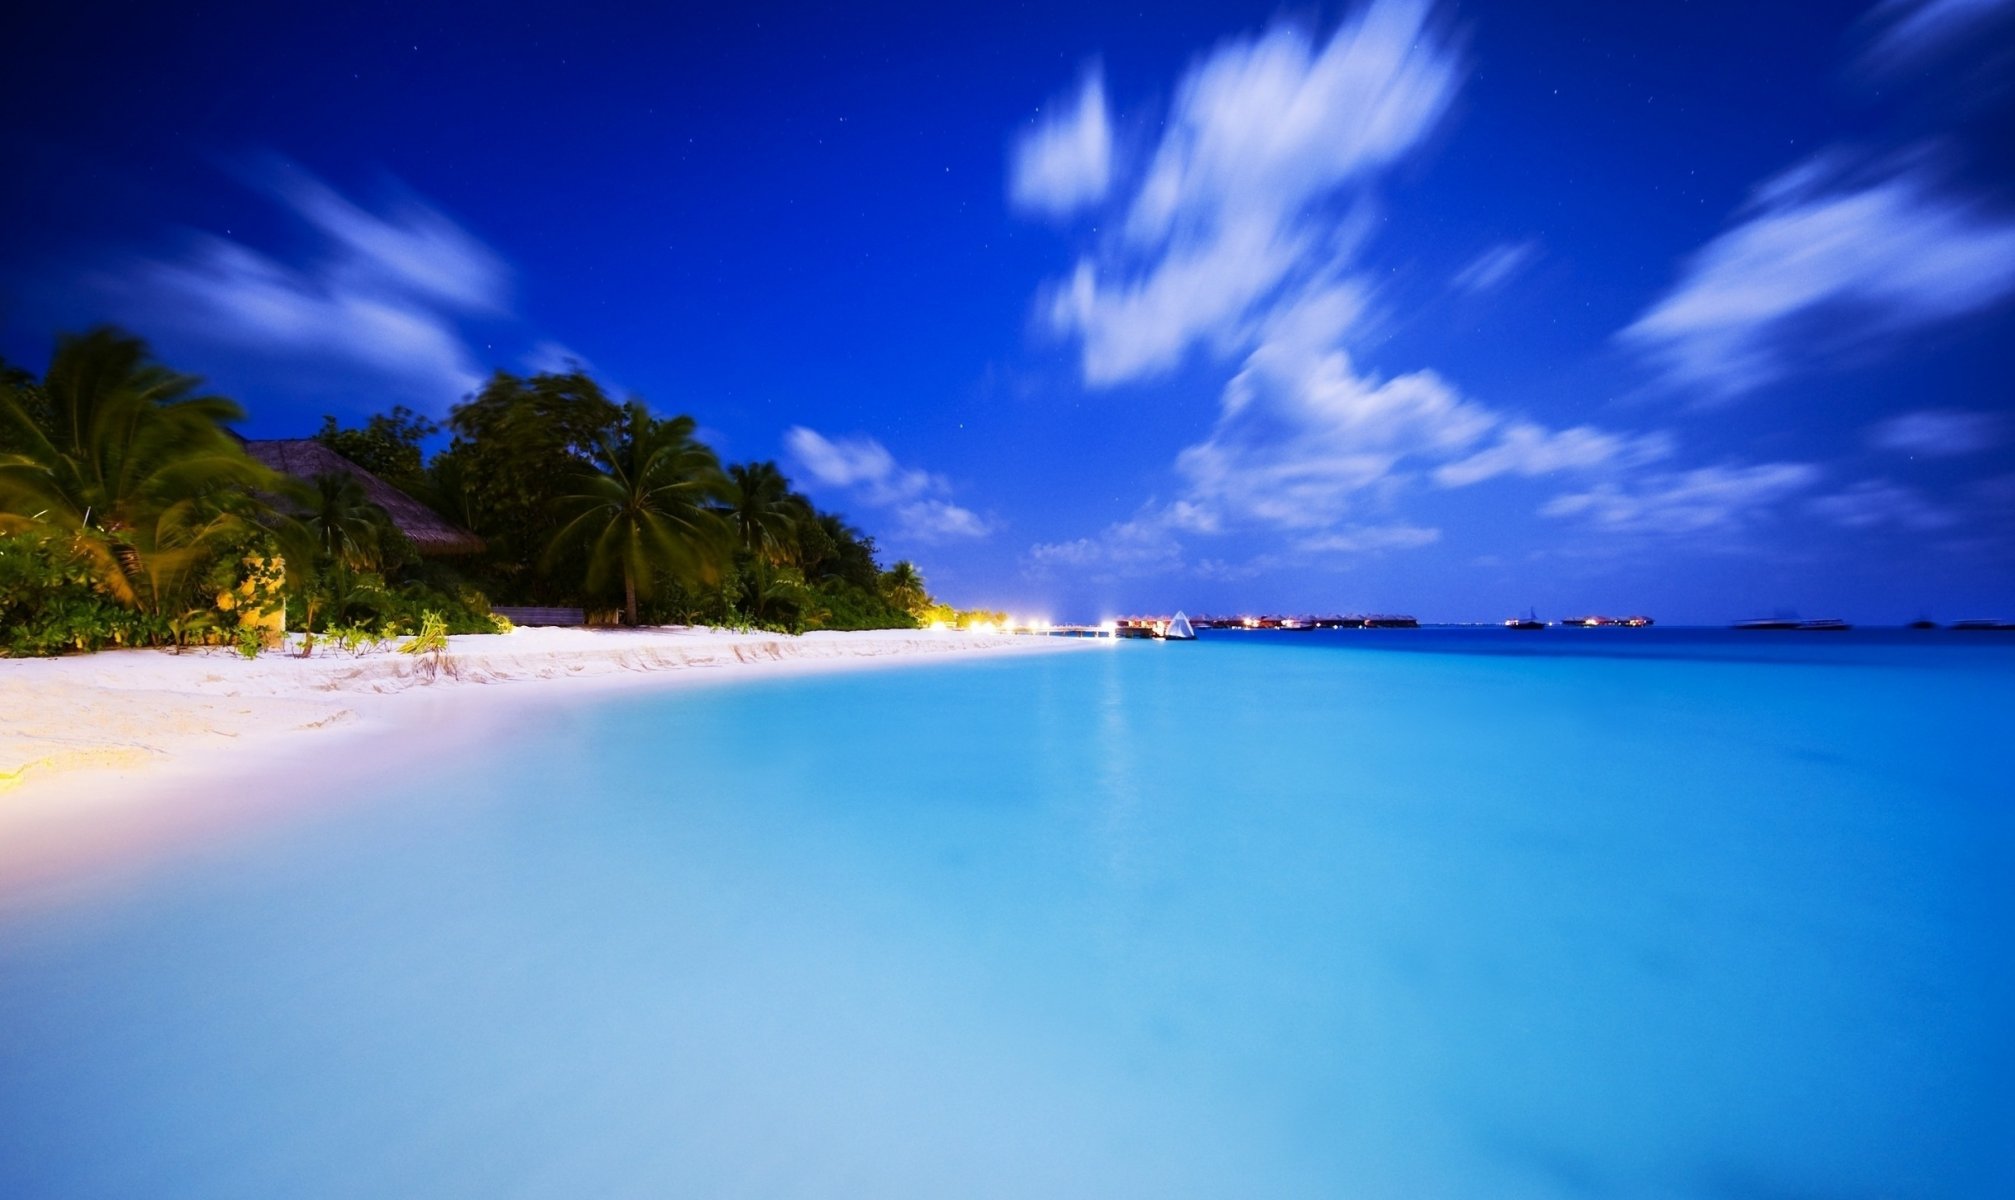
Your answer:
<point x="49" y="604"/>
<point x="849" y="607"/>
<point x="354" y="639"/>
<point x="432" y="637"/>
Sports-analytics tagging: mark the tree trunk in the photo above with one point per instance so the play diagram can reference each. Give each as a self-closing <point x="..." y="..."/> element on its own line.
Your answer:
<point x="630" y="596"/>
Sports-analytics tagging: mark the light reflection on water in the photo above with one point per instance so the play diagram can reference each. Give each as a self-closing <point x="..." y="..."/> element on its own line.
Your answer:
<point x="1255" y="916"/>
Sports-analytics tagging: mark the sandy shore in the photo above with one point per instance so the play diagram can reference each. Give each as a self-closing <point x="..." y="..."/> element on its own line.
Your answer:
<point x="74" y="724"/>
<point x="110" y="761"/>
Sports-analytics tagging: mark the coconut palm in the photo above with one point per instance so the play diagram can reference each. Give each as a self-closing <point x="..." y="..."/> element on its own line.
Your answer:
<point x="764" y="511"/>
<point x="646" y="510"/>
<point x="903" y="586"/>
<point x="339" y="538"/>
<point x="347" y="526"/>
<point x="120" y="455"/>
<point x="770" y="589"/>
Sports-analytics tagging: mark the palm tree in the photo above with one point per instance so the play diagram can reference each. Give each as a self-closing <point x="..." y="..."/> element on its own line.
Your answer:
<point x="769" y="588"/>
<point x="117" y="453"/>
<point x="647" y="507"/>
<point x="341" y="527"/>
<point x="346" y="525"/>
<point x="903" y="586"/>
<point x="764" y="511"/>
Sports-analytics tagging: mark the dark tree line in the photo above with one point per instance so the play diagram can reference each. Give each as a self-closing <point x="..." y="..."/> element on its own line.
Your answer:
<point x="130" y="515"/>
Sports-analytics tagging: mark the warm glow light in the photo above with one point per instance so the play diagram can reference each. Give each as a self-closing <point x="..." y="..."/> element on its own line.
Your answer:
<point x="1108" y="627"/>
<point x="937" y="624"/>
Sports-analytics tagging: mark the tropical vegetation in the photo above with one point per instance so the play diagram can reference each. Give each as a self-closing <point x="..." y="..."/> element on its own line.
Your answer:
<point x="131" y="514"/>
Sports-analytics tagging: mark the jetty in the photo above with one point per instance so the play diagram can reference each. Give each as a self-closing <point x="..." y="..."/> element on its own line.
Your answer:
<point x="1181" y="627"/>
<point x="1306" y="622"/>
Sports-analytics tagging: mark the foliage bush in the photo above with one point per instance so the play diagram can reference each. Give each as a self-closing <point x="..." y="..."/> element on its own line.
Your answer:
<point x="432" y="637"/>
<point x="354" y="639"/>
<point x="49" y="603"/>
<point x="344" y="597"/>
<point x="850" y="607"/>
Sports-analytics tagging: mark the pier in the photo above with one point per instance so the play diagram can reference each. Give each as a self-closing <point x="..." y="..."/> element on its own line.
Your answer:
<point x="1173" y="627"/>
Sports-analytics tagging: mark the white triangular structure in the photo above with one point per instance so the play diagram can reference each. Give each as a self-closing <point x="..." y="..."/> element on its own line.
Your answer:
<point x="1178" y="629"/>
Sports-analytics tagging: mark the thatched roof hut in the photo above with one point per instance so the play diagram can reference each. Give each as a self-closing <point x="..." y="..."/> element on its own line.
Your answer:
<point x="305" y="458"/>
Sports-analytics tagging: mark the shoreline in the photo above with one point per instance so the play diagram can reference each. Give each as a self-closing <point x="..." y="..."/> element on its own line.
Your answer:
<point x="113" y="747"/>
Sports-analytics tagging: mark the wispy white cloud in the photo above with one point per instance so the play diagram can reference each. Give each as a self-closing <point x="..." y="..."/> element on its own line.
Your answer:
<point x="552" y="358"/>
<point x="1144" y="545"/>
<point x="859" y="463"/>
<point x="381" y="301"/>
<point x="1299" y="438"/>
<point x="1359" y="539"/>
<point x="412" y="249"/>
<point x="1348" y="544"/>
<point x="1242" y="239"/>
<point x="863" y="467"/>
<point x="940" y="520"/>
<point x="1236" y="215"/>
<point x="1065" y="162"/>
<point x="1907" y="32"/>
<point x="1938" y="432"/>
<point x="1203" y="292"/>
<point x="1303" y="436"/>
<point x="1715" y="499"/>
<point x="1267" y="126"/>
<point x="1879" y="503"/>
<point x="1527" y="449"/>
<point x="1306" y="446"/>
<point x="1495" y="267"/>
<point x="1880" y="257"/>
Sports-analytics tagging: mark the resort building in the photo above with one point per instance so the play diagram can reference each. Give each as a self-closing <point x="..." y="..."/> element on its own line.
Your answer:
<point x="305" y="458"/>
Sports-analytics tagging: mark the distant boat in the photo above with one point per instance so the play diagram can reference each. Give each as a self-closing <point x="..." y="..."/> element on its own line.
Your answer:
<point x="1768" y="623"/>
<point x="1529" y="621"/>
<point x="1978" y="626"/>
<point x="1922" y="623"/>
<point x="1824" y="625"/>
<point x="1178" y="629"/>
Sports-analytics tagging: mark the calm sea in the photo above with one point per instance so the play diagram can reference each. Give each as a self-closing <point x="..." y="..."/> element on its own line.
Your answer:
<point x="1656" y="913"/>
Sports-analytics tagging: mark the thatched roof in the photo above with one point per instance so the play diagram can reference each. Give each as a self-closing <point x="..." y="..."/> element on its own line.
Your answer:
<point x="305" y="458"/>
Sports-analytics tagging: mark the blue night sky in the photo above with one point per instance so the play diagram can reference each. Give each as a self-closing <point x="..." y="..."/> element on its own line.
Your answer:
<point x="1698" y="309"/>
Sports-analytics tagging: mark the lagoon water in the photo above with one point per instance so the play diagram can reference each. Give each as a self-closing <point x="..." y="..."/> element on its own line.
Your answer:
<point x="1599" y="913"/>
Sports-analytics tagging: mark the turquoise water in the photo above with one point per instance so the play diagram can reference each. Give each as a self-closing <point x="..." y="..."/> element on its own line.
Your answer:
<point x="1400" y="914"/>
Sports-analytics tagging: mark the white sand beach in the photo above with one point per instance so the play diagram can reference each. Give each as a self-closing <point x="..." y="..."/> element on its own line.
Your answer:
<point x="123" y="709"/>
<point x="125" y="728"/>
